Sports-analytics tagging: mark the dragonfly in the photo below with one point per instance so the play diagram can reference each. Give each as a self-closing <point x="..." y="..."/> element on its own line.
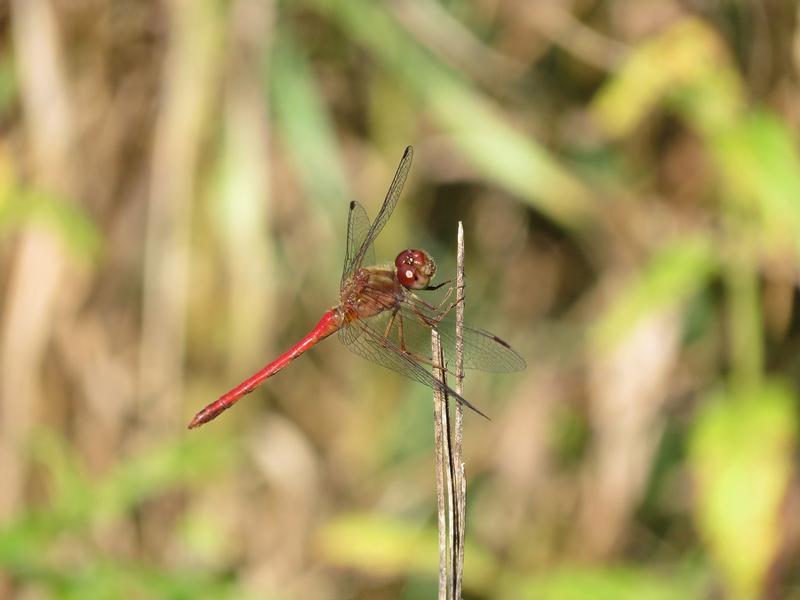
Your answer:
<point x="382" y="317"/>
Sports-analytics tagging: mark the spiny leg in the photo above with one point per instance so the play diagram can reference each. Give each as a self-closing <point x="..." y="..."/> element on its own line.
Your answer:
<point x="397" y="318"/>
<point x="401" y="341"/>
<point x="437" y="310"/>
<point x="418" y="357"/>
<point x="451" y="306"/>
<point x="437" y="307"/>
<point x="390" y="323"/>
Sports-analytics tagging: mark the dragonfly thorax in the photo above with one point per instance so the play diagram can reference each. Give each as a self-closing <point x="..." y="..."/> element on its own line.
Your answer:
<point x="370" y="291"/>
<point x="414" y="269"/>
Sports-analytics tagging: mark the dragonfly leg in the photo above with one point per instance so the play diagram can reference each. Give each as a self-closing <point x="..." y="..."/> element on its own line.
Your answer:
<point x="444" y="299"/>
<point x="398" y="318"/>
<point x="451" y="306"/>
<point x="401" y="338"/>
<point x="437" y="313"/>
<point x="391" y="322"/>
<point x="418" y="357"/>
<point x="437" y="309"/>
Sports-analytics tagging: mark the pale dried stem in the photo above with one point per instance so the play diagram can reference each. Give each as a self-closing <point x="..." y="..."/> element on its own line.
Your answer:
<point x="447" y="459"/>
<point x="439" y="443"/>
<point x="450" y="478"/>
<point x="458" y="455"/>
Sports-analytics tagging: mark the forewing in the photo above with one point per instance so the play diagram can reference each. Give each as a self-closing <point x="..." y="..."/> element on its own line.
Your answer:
<point x="392" y="196"/>
<point x="483" y="350"/>
<point x="366" y="341"/>
<point x="357" y="230"/>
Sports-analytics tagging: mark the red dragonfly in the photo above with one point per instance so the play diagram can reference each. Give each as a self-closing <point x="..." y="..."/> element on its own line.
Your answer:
<point x="380" y="317"/>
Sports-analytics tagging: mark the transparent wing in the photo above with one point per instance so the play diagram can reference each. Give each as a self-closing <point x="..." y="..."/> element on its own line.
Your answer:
<point x="409" y="329"/>
<point x="392" y="196"/>
<point x="483" y="350"/>
<point x="367" y="342"/>
<point x="357" y="230"/>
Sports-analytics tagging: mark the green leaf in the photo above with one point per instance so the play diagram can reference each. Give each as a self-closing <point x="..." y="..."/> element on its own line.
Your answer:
<point x="75" y="503"/>
<point x="391" y="547"/>
<point x="686" y="66"/>
<point x="741" y="456"/>
<point x="22" y="207"/>
<point x="607" y="583"/>
<point x="760" y="168"/>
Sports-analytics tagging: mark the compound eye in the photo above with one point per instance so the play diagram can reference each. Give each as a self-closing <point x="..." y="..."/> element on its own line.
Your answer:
<point x="414" y="269"/>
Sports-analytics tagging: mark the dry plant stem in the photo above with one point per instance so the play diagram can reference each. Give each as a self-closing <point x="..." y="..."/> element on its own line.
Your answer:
<point x="447" y="459"/>
<point x="449" y="453"/>
<point x="458" y="455"/>
<point x="438" y="436"/>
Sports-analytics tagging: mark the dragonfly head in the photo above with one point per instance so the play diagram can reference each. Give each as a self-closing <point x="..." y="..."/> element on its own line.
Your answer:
<point x="415" y="269"/>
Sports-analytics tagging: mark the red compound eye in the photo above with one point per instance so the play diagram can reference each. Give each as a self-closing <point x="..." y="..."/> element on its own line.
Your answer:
<point x="414" y="268"/>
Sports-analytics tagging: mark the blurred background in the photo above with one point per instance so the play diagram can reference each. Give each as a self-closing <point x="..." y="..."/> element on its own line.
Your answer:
<point x="174" y="181"/>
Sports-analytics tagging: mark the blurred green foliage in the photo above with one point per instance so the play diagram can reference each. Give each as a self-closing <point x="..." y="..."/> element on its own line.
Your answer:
<point x="78" y="511"/>
<point x="741" y="452"/>
<point x="22" y="206"/>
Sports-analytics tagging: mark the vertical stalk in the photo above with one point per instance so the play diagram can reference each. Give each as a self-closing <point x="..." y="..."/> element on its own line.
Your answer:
<point x="447" y="459"/>
<point x="458" y="455"/>
<point x="451" y="487"/>
<point x="439" y="443"/>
